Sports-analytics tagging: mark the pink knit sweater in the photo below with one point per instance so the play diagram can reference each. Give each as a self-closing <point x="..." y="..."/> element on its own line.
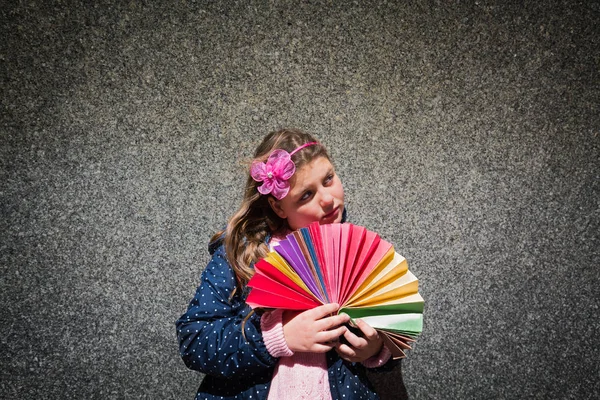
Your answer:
<point x="297" y="375"/>
<point x="300" y="375"/>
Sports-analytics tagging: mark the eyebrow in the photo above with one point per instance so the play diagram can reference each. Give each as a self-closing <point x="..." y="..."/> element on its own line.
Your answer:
<point x="304" y="189"/>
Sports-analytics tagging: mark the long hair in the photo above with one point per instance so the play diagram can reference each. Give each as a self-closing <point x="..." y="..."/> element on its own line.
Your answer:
<point x="247" y="230"/>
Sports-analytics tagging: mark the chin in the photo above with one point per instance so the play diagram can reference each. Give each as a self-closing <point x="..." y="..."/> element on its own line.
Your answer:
<point x="337" y="219"/>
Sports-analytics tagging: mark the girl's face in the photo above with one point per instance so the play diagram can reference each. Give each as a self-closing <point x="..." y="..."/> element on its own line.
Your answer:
<point x="316" y="194"/>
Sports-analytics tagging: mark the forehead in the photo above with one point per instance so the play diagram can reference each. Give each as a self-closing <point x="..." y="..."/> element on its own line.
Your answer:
<point x="318" y="164"/>
<point x="313" y="171"/>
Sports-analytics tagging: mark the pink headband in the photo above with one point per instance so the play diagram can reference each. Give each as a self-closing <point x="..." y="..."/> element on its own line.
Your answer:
<point x="274" y="174"/>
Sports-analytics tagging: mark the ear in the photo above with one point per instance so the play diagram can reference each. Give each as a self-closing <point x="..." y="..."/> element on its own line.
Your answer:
<point x="276" y="207"/>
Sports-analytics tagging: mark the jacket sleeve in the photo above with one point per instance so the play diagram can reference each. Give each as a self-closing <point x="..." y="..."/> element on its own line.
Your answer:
<point x="210" y="332"/>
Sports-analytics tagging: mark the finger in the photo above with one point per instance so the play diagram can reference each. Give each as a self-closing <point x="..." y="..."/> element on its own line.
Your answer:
<point x="323" y="311"/>
<point x="331" y="335"/>
<point x="355" y="341"/>
<point x="328" y="323"/>
<point x="321" y="347"/>
<point x="367" y="330"/>
<point x="345" y="351"/>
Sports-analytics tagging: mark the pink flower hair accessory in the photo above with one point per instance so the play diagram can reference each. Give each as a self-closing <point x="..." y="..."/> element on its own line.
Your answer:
<point x="275" y="173"/>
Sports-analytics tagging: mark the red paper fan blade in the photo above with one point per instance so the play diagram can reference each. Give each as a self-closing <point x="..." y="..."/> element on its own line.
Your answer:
<point x="355" y="247"/>
<point x="345" y="240"/>
<point x="277" y="289"/>
<point x="265" y="268"/>
<point x="376" y="249"/>
<point x="259" y="298"/>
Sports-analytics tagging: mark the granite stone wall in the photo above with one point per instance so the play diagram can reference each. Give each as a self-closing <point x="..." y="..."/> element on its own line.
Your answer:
<point x="465" y="132"/>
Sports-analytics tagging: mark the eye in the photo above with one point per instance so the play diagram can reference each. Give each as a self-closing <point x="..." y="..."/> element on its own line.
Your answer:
<point x="306" y="195"/>
<point x="329" y="178"/>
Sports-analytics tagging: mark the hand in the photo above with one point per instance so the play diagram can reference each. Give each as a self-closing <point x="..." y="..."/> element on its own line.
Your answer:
<point x="314" y="330"/>
<point x="360" y="348"/>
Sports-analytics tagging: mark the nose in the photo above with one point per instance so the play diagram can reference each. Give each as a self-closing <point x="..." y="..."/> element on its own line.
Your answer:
<point x="326" y="199"/>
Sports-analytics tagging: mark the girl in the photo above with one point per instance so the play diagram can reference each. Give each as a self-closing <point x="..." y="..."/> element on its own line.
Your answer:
<point x="275" y="354"/>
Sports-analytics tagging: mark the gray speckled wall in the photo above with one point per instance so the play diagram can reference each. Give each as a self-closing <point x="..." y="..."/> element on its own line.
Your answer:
<point x="466" y="133"/>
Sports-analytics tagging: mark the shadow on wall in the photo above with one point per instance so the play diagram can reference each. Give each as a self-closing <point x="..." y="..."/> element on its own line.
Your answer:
<point x="389" y="385"/>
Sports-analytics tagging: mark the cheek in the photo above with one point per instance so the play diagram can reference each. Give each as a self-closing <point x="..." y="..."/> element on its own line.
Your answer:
<point x="304" y="216"/>
<point x="339" y="190"/>
<point x="310" y="213"/>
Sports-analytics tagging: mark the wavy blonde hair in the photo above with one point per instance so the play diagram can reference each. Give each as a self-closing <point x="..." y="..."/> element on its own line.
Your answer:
<point x="245" y="237"/>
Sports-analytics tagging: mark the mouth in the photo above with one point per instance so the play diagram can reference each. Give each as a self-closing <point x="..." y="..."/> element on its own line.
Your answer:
<point x="332" y="215"/>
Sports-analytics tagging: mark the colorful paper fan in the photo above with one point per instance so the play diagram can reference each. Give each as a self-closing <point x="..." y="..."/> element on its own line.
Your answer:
<point x="345" y="264"/>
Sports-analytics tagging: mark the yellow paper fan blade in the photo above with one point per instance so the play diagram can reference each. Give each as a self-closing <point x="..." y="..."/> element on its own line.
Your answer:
<point x="407" y="284"/>
<point x="390" y="269"/>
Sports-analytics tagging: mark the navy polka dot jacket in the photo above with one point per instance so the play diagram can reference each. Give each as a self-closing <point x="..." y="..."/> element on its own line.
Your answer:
<point x="211" y="341"/>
